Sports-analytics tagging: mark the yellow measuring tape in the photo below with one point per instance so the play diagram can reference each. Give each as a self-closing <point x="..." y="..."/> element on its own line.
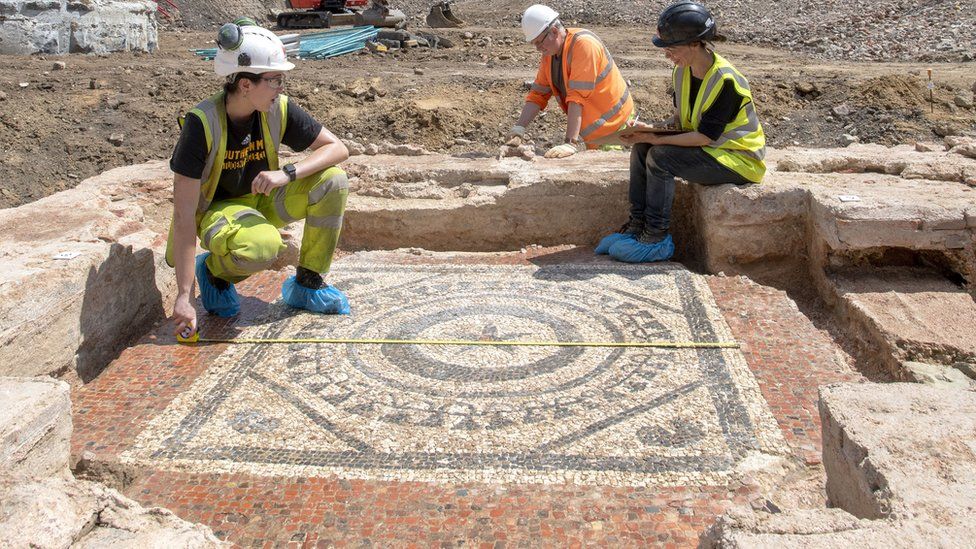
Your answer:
<point x="195" y="338"/>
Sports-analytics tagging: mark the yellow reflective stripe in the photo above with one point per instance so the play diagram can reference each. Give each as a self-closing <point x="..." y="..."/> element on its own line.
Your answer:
<point x="751" y="125"/>
<point x="213" y="230"/>
<point x="324" y="222"/>
<point x="607" y="116"/>
<point x="336" y="182"/>
<point x="222" y="222"/>
<point x="249" y="265"/>
<point x="279" y="206"/>
<point x="206" y="126"/>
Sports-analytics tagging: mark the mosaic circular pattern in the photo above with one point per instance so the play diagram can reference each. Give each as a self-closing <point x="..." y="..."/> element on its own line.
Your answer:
<point x="521" y="413"/>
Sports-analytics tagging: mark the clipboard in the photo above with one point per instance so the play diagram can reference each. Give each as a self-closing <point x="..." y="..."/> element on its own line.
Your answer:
<point x="614" y="138"/>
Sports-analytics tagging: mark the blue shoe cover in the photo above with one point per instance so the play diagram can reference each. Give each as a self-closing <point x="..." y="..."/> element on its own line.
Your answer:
<point x="221" y="303"/>
<point x="632" y="251"/>
<point x="327" y="300"/>
<point x="604" y="246"/>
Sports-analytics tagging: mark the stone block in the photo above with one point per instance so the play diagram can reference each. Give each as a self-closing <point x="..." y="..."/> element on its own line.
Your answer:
<point x="900" y="451"/>
<point x="35" y="427"/>
<point x="93" y="273"/>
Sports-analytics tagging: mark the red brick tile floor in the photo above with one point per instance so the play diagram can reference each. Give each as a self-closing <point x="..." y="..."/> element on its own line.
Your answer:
<point x="789" y="356"/>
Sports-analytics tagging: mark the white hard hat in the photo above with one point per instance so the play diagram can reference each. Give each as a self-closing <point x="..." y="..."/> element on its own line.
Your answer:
<point x="537" y="19"/>
<point x="249" y="48"/>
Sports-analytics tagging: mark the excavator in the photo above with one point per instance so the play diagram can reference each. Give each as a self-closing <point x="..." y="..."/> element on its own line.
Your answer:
<point x="315" y="14"/>
<point x="318" y="14"/>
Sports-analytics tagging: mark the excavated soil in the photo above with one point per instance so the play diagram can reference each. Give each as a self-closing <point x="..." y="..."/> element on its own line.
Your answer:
<point x="100" y="112"/>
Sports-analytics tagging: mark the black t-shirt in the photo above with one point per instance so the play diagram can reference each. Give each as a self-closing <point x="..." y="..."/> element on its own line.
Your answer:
<point x="245" y="156"/>
<point x="723" y="110"/>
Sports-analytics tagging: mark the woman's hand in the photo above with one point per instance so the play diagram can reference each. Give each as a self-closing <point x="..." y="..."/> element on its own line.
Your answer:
<point x="265" y="182"/>
<point x="184" y="316"/>
<point x="635" y="138"/>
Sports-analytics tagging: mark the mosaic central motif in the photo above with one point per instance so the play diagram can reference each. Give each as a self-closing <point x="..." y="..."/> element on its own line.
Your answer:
<point x="611" y="415"/>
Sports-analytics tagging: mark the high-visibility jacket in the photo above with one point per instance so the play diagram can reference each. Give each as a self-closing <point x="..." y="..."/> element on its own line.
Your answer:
<point x="213" y="113"/>
<point x="592" y="80"/>
<point x="742" y="145"/>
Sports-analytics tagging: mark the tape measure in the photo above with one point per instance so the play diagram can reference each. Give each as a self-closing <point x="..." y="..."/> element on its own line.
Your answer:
<point x="195" y="338"/>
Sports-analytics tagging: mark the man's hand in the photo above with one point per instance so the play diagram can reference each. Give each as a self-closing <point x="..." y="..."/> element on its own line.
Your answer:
<point x="268" y="181"/>
<point x="184" y="316"/>
<point x="563" y="151"/>
<point x="516" y="136"/>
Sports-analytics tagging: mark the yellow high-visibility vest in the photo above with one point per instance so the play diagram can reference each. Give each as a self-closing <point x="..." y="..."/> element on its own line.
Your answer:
<point x="742" y="145"/>
<point x="213" y="113"/>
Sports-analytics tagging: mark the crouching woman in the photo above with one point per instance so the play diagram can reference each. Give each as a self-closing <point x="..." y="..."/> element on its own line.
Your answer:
<point x="231" y="191"/>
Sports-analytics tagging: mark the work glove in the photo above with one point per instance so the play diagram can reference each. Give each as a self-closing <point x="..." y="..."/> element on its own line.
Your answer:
<point x="516" y="136"/>
<point x="564" y="150"/>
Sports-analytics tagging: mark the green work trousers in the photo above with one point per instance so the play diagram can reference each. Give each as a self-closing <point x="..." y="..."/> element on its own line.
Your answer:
<point x="242" y="233"/>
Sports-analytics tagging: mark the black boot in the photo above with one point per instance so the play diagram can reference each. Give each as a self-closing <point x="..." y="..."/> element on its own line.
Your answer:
<point x="634" y="225"/>
<point x="309" y="279"/>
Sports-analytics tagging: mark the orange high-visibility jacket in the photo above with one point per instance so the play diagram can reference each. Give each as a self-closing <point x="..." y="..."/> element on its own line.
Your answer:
<point x="592" y="80"/>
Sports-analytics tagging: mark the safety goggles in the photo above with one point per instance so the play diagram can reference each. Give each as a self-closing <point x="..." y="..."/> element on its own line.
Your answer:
<point x="275" y="82"/>
<point x="544" y="35"/>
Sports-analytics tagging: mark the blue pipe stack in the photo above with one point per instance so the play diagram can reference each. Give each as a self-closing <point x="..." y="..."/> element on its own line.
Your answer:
<point x="317" y="45"/>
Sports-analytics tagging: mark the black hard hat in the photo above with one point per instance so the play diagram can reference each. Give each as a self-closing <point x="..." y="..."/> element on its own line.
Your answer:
<point x="684" y="23"/>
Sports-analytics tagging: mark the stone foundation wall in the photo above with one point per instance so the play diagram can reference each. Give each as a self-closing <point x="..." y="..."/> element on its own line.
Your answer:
<point x="76" y="26"/>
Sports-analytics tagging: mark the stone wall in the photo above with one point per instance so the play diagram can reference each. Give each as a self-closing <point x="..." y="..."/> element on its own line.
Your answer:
<point x="77" y="26"/>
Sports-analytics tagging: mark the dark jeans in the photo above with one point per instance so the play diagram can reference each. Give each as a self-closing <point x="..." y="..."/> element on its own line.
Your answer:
<point x="652" y="173"/>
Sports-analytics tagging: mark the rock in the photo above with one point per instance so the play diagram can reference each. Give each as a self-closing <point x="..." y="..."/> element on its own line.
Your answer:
<point x="504" y="57"/>
<point x="468" y="35"/>
<point x="404" y="150"/>
<point x="936" y="375"/>
<point x="200" y="72"/>
<point x="463" y="142"/>
<point x="849" y="139"/>
<point x="922" y="146"/>
<point x="418" y="71"/>
<point x="944" y="129"/>
<point x="59" y="66"/>
<point x="806" y="88"/>
<point x="967" y="150"/>
<point x="116" y="139"/>
<point x="964" y="101"/>
<point x="968" y="368"/>
<point x="355" y="149"/>
<point x="35" y="427"/>
<point x="525" y="152"/>
<point x="93" y="84"/>
<point x="3" y="96"/>
<point x="841" y="110"/>
<point x="371" y="149"/>
<point x="974" y="87"/>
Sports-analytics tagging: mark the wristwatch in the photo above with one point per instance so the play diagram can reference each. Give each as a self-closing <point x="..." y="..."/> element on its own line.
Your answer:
<point x="291" y="171"/>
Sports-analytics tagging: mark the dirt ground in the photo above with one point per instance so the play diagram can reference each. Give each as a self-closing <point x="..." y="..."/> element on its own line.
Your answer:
<point x="100" y="112"/>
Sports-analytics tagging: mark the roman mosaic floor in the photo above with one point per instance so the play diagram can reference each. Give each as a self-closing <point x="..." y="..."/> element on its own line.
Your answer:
<point x="369" y="443"/>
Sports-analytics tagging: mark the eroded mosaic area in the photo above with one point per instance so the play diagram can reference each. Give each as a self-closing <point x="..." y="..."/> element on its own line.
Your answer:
<point x="618" y="416"/>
